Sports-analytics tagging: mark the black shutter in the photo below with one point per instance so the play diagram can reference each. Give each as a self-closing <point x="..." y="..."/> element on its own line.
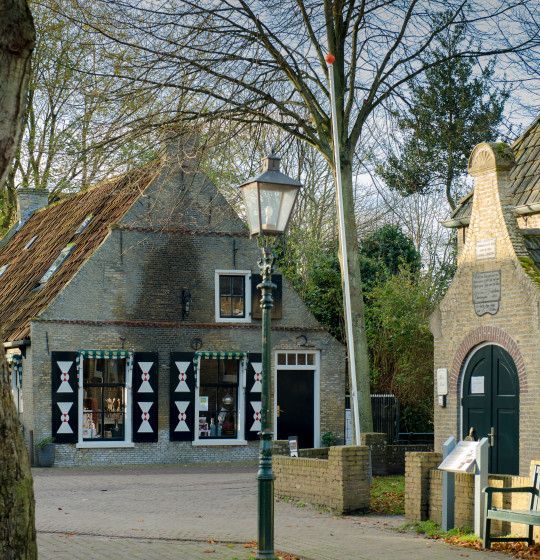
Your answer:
<point x="256" y="311"/>
<point x="182" y="399"/>
<point x="65" y="397"/>
<point x="144" y="385"/>
<point x="252" y="416"/>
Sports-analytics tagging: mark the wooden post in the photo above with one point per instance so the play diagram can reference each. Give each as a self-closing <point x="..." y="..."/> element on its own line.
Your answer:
<point x="448" y="488"/>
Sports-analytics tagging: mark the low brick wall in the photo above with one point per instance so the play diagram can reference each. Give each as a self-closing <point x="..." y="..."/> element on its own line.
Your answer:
<point x="341" y="482"/>
<point x="417" y="483"/>
<point x="423" y="494"/>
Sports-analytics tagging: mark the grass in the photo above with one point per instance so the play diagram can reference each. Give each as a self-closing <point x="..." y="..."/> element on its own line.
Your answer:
<point x="433" y="530"/>
<point x="388" y="495"/>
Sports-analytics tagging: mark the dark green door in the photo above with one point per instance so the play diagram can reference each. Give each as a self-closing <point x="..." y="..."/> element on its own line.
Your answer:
<point x="295" y="392"/>
<point x="491" y="406"/>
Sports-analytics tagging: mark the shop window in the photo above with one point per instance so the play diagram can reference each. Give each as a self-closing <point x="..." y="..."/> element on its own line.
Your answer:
<point x="219" y="399"/>
<point x="104" y="399"/>
<point x="233" y="298"/>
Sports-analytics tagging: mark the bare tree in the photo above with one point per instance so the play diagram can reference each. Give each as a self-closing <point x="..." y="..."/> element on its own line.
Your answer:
<point x="262" y="61"/>
<point x="17" y="528"/>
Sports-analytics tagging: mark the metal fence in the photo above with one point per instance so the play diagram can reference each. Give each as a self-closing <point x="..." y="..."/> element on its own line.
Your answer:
<point x="385" y="410"/>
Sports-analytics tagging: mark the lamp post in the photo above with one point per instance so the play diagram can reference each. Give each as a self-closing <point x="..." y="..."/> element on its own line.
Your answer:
<point x="269" y="200"/>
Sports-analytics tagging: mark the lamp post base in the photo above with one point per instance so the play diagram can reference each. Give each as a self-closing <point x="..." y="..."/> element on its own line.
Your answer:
<point x="265" y="482"/>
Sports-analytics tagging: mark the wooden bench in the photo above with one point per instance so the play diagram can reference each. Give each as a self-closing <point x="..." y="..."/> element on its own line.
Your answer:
<point x="530" y="517"/>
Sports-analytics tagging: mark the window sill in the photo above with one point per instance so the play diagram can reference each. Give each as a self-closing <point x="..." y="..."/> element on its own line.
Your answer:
<point x="233" y="320"/>
<point x="103" y="444"/>
<point x="223" y="442"/>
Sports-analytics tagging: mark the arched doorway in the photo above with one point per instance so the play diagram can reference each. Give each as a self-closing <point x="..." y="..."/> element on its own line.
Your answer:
<point x="490" y="405"/>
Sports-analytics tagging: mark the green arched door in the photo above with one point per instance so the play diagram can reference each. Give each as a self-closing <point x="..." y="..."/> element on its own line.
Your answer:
<point x="490" y="405"/>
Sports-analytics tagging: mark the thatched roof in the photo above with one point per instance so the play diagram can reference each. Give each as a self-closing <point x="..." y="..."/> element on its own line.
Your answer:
<point x="54" y="228"/>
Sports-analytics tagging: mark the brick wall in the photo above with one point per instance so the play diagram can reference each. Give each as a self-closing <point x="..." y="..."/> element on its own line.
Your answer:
<point x="417" y="484"/>
<point x="341" y="482"/>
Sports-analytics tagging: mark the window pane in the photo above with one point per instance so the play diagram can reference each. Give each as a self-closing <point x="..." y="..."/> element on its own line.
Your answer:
<point x="104" y="397"/>
<point x="224" y="285"/>
<point x="225" y="306"/>
<point x="218" y="399"/>
<point x="229" y="371"/>
<point x="291" y="359"/>
<point x="301" y="359"/>
<point x="237" y="306"/>
<point x="209" y="372"/>
<point x="92" y="413"/>
<point x="238" y="283"/>
<point x="282" y="359"/>
<point x="311" y="359"/>
<point x="113" y="418"/>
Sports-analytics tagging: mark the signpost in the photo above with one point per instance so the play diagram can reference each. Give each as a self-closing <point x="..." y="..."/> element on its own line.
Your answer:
<point x="465" y="457"/>
<point x="448" y="488"/>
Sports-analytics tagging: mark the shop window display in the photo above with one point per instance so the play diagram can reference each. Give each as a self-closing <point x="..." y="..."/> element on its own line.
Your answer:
<point x="104" y="399"/>
<point x="218" y="399"/>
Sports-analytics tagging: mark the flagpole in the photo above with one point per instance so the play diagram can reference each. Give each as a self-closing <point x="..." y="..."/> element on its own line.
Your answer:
<point x="330" y="59"/>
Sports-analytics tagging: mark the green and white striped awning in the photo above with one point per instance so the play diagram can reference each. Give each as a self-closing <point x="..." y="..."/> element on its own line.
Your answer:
<point x="105" y="354"/>
<point x="219" y="356"/>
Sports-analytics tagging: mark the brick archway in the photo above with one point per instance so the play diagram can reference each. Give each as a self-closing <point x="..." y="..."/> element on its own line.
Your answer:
<point x="495" y="335"/>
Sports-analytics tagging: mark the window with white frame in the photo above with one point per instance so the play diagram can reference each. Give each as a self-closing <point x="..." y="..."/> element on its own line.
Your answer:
<point x="105" y="400"/>
<point x="220" y="401"/>
<point x="233" y="296"/>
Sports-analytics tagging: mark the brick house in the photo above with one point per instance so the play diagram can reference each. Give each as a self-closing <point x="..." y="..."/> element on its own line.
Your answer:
<point x="130" y="314"/>
<point x="487" y="327"/>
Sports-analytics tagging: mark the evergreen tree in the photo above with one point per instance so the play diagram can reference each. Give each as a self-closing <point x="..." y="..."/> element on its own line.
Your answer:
<point x="453" y="108"/>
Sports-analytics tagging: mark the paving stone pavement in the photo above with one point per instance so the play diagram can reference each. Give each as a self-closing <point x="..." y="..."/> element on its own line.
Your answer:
<point x="173" y="511"/>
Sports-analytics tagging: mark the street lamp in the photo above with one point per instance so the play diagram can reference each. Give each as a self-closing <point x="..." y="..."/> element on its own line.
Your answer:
<point x="269" y="200"/>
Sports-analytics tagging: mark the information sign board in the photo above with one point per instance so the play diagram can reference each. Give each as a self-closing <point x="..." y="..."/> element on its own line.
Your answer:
<point x="462" y="459"/>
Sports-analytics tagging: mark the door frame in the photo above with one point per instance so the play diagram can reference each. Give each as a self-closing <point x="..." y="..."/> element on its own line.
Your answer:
<point x="316" y="368"/>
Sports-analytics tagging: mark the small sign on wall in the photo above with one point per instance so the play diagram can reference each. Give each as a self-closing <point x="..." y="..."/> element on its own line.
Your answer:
<point x="486" y="249"/>
<point x="477" y="385"/>
<point x="442" y="382"/>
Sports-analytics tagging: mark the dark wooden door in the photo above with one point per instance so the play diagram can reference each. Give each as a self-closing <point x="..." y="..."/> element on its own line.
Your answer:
<point x="295" y="394"/>
<point x="491" y="405"/>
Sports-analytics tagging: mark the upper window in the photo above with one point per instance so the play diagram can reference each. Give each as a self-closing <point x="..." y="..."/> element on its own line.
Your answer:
<point x="3" y="268"/>
<point x="57" y="262"/>
<point x="104" y="399"/>
<point x="233" y="296"/>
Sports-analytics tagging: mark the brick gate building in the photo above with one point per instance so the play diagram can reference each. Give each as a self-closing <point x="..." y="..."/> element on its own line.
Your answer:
<point x="487" y="327"/>
<point x="130" y="311"/>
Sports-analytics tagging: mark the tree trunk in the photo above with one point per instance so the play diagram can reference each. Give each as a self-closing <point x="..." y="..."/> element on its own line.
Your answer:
<point x="17" y="527"/>
<point x="17" y="37"/>
<point x="363" y="397"/>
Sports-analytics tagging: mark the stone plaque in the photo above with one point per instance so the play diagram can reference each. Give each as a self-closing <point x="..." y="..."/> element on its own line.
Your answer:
<point x="442" y="381"/>
<point x="486" y="249"/>
<point x="486" y="290"/>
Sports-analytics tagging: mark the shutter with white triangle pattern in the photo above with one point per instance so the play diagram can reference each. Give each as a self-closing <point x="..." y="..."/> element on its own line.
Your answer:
<point x="253" y="396"/>
<point x="65" y="397"/>
<point x="182" y="397"/>
<point x="145" y="396"/>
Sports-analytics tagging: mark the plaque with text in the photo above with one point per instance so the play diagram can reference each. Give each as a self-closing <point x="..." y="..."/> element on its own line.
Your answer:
<point x="486" y="249"/>
<point x="486" y="290"/>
